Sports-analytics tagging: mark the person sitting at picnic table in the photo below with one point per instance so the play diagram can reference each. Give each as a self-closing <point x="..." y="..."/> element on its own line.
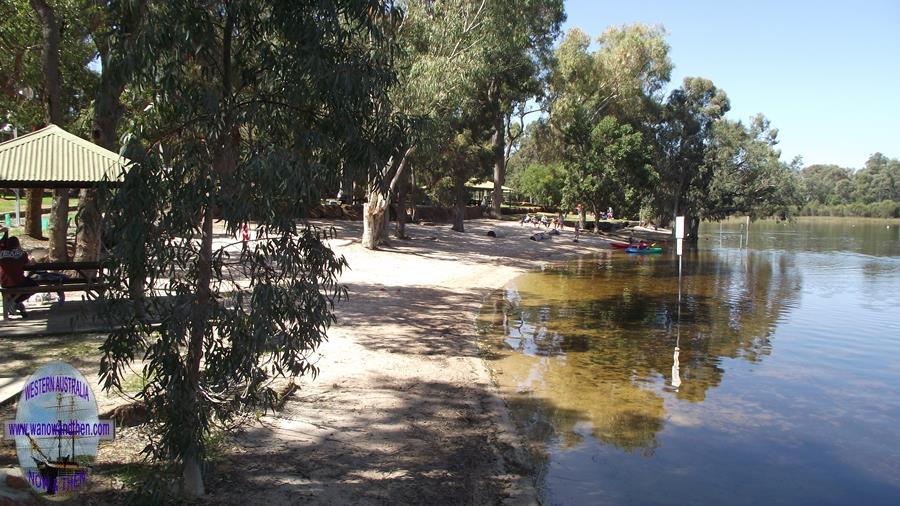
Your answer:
<point x="13" y="260"/>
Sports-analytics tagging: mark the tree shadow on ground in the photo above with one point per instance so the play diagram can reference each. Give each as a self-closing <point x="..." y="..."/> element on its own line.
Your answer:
<point x="411" y="319"/>
<point x="415" y="443"/>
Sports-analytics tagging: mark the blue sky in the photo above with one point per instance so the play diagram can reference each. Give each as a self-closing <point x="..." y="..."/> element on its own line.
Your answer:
<point x="827" y="74"/>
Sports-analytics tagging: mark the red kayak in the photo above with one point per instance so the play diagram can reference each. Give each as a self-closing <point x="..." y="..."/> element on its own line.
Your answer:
<point x="619" y="244"/>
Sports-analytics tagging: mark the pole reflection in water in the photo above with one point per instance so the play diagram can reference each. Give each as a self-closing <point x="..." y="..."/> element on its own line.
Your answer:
<point x="676" y="366"/>
<point x="583" y="355"/>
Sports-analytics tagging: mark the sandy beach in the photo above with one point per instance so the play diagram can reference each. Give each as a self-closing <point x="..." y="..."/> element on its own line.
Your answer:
<point x="403" y="410"/>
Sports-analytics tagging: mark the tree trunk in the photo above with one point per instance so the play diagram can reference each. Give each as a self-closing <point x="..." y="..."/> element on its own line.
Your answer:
<point x="59" y="226"/>
<point x="402" y="217"/>
<point x="59" y="215"/>
<point x="596" y="219"/>
<point x="582" y="218"/>
<point x="459" y="214"/>
<point x="35" y="200"/>
<point x="374" y="230"/>
<point x="498" y="145"/>
<point x="108" y="111"/>
<point x="412" y="186"/>
<point x="694" y="229"/>
<point x="346" y="183"/>
<point x="87" y="226"/>
<point x="115" y="70"/>
<point x="192" y="485"/>
<point x="375" y="215"/>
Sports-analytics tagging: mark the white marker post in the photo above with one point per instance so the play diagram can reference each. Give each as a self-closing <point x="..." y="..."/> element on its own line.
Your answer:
<point x="676" y="365"/>
<point x="679" y="233"/>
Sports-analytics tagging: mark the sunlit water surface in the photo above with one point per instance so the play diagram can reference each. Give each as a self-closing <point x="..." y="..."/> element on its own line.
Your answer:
<point x="779" y="383"/>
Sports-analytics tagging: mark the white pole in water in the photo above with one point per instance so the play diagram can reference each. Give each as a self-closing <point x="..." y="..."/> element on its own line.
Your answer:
<point x="748" y="230"/>
<point x="679" y="249"/>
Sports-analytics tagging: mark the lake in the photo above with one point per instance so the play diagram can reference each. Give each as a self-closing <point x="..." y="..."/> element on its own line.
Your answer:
<point x="773" y="379"/>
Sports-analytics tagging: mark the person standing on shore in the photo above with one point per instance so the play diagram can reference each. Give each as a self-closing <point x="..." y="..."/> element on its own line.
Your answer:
<point x="561" y="219"/>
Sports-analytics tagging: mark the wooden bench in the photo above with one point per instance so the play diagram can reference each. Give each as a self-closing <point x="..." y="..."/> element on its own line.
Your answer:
<point x="90" y="280"/>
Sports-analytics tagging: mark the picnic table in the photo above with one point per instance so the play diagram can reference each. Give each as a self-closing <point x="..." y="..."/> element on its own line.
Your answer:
<point x="89" y="279"/>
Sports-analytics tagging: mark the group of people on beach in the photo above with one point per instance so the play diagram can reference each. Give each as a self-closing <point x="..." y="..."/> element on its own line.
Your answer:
<point x="557" y="223"/>
<point x="538" y="220"/>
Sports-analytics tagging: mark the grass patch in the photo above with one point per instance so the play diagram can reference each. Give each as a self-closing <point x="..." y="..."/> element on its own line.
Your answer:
<point x="135" y="382"/>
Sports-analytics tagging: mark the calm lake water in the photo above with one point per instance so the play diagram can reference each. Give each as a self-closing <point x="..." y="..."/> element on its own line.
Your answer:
<point x="776" y="380"/>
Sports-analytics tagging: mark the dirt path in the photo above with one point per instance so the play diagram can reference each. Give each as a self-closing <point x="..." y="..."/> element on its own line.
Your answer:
<point x="403" y="411"/>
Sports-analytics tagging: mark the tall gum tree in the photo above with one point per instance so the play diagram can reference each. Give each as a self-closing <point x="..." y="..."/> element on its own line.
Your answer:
<point x="59" y="209"/>
<point x="116" y="30"/>
<point x="41" y="84"/>
<point x="684" y="136"/>
<point x="441" y="58"/>
<point x="254" y="108"/>
<point x="602" y="101"/>
<point x="520" y="52"/>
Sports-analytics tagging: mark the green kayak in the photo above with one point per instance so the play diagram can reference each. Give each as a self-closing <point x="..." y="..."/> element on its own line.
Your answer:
<point x="645" y="251"/>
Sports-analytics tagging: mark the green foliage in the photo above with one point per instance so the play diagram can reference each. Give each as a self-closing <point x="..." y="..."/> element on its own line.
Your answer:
<point x="255" y="107"/>
<point x="22" y="80"/>
<point x="443" y="192"/>
<point x="608" y="165"/>
<point x="683" y="137"/>
<point x="621" y="78"/>
<point x="747" y="176"/>
<point x="874" y="190"/>
<point x="883" y="209"/>
<point x="541" y="184"/>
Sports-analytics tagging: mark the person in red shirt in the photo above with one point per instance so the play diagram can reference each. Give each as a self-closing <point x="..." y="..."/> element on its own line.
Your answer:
<point x="12" y="271"/>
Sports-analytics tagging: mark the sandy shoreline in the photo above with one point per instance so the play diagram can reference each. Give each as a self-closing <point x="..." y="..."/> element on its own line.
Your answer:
<point x="404" y="409"/>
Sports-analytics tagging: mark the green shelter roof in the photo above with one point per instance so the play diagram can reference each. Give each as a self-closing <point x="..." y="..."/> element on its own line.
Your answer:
<point x="53" y="158"/>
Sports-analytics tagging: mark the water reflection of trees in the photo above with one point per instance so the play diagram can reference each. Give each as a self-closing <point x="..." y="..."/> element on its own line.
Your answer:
<point x="593" y="342"/>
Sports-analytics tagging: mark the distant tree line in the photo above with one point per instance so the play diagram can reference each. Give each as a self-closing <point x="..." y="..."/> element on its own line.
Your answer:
<point x="612" y="137"/>
<point x="872" y="191"/>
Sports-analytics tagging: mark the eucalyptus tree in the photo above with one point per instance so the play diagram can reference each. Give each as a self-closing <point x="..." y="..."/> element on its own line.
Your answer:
<point x="461" y="152"/>
<point x="608" y="165"/>
<point x="254" y="108"/>
<point x="41" y="84"/>
<point x="684" y="136"/>
<point x="623" y="77"/>
<point x="878" y="180"/>
<point x="747" y="175"/>
<point x="607" y="96"/>
<point x="826" y="184"/>
<point x="50" y="40"/>
<point x="116" y="30"/>
<point x="520" y="52"/>
<point x="443" y="59"/>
